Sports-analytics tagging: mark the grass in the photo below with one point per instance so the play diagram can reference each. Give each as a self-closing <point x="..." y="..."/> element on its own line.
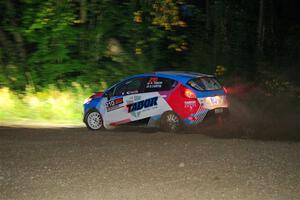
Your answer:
<point x="51" y="105"/>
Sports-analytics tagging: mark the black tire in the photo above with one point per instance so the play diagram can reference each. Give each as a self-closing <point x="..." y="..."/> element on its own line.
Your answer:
<point x="170" y="122"/>
<point x="93" y="120"/>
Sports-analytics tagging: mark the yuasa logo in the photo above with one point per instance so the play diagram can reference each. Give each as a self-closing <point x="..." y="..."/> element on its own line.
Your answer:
<point x="142" y="104"/>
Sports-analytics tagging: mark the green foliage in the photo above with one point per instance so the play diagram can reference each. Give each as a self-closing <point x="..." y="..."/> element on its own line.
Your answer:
<point x="49" y="105"/>
<point x="46" y="42"/>
<point x="51" y="31"/>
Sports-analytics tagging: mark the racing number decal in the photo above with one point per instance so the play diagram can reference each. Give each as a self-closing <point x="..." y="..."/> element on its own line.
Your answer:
<point x="114" y="104"/>
<point x="109" y="104"/>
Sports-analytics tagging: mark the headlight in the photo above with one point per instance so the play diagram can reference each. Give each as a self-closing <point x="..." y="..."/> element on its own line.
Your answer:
<point x="88" y="100"/>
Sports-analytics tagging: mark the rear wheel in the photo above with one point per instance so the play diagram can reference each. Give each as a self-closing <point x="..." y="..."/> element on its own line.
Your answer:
<point x="93" y="120"/>
<point x="170" y="122"/>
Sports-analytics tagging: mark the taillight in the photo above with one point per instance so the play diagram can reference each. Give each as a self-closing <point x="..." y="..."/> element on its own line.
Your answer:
<point x="189" y="93"/>
<point x="225" y="90"/>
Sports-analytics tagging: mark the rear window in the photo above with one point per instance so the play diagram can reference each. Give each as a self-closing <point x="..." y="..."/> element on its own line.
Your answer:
<point x="205" y="83"/>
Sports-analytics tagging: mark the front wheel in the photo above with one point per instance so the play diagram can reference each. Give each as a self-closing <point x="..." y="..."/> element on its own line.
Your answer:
<point x="93" y="120"/>
<point x="170" y="122"/>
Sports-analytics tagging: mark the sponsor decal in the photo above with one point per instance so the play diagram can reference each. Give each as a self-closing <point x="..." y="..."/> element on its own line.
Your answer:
<point x="154" y="83"/>
<point x="136" y="114"/>
<point x="132" y="92"/>
<point x="114" y="104"/>
<point x="137" y="98"/>
<point x="118" y="101"/>
<point x="190" y="104"/>
<point x="133" y="99"/>
<point x="147" y="103"/>
<point x="152" y="80"/>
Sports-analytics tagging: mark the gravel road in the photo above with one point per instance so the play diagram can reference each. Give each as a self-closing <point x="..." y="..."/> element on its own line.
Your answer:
<point x="67" y="164"/>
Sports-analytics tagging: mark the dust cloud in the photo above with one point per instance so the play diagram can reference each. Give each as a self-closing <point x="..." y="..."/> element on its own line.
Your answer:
<point x="258" y="116"/>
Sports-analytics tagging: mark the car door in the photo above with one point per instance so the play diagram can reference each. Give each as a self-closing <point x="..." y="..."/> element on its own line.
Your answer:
<point x="159" y="87"/>
<point x="142" y="105"/>
<point x="116" y="109"/>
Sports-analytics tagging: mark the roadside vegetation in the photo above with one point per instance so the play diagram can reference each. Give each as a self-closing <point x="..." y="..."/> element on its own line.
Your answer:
<point x="48" y="106"/>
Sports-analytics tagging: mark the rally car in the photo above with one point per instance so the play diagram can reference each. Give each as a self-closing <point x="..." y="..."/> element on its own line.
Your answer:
<point x="169" y="100"/>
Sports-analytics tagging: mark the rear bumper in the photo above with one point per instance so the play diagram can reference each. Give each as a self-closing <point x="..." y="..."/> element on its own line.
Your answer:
<point x="207" y="117"/>
<point x="213" y="117"/>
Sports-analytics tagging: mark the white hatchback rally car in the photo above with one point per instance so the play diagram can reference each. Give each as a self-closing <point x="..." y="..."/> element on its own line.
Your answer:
<point x="170" y="100"/>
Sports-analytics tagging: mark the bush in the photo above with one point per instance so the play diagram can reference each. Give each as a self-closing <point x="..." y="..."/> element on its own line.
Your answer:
<point x="50" y="105"/>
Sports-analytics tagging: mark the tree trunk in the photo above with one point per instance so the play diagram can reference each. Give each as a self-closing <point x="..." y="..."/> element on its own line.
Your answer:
<point x="207" y="24"/>
<point x="18" y="38"/>
<point x="7" y="46"/>
<point x="83" y="11"/>
<point x="260" y="29"/>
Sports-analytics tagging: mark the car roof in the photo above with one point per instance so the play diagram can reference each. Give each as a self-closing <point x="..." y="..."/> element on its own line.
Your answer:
<point x="181" y="76"/>
<point x="177" y="75"/>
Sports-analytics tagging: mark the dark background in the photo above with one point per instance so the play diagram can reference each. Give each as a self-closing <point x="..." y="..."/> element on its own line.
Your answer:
<point x="93" y="41"/>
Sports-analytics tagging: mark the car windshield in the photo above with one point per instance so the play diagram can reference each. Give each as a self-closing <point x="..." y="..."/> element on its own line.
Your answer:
<point x="205" y="83"/>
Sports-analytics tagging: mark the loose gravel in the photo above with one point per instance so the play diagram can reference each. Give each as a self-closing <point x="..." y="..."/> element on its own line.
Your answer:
<point x="67" y="164"/>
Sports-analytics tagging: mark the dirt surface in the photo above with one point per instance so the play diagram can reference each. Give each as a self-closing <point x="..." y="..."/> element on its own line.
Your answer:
<point x="79" y="164"/>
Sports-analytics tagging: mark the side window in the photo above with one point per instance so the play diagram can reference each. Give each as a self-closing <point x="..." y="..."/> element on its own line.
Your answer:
<point x="132" y="86"/>
<point x="110" y="92"/>
<point x="154" y="84"/>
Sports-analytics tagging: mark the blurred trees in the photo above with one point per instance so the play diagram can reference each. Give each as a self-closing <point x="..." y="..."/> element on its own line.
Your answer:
<point x="91" y="41"/>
